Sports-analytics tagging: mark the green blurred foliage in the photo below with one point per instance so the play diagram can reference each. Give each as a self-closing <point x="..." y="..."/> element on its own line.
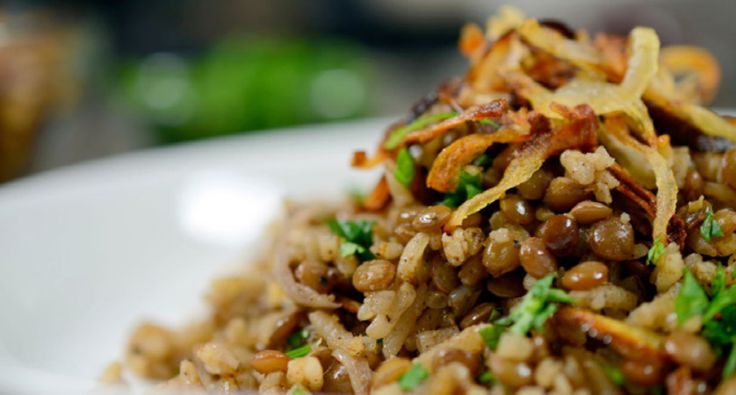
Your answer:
<point x="247" y="84"/>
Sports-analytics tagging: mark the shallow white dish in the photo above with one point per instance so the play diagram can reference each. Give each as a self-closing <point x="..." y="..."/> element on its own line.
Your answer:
<point x="90" y="250"/>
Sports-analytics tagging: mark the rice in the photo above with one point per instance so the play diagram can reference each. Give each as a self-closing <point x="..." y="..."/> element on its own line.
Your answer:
<point x="550" y="244"/>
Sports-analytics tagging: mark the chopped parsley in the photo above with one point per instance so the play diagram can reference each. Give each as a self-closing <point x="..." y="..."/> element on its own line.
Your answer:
<point x="613" y="373"/>
<point x="486" y="378"/>
<point x="535" y="308"/>
<point x="655" y="252"/>
<point x="538" y="305"/>
<point x="357" y="237"/>
<point x="710" y="227"/>
<point x="489" y="121"/>
<point x="491" y="334"/>
<point x="357" y="195"/>
<point x="298" y="391"/>
<point x="299" y="352"/>
<point x="297" y="339"/>
<point x="730" y="366"/>
<point x="397" y="136"/>
<point x="468" y="185"/>
<point x="691" y="300"/>
<point x="404" y="172"/>
<point x="413" y="377"/>
<point x="718" y="313"/>
<point x="482" y="160"/>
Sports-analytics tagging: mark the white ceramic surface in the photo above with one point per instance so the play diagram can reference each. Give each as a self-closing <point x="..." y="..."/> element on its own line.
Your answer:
<point x="88" y="251"/>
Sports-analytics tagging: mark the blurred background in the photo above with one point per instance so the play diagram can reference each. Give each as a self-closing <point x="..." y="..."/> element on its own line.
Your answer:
<point x="87" y="79"/>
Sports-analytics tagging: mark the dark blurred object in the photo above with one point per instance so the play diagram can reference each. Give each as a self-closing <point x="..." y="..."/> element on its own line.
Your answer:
<point x="247" y="84"/>
<point x="157" y="71"/>
<point x="34" y="82"/>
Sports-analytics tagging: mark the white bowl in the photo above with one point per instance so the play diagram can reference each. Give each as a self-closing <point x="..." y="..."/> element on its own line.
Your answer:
<point x="90" y="250"/>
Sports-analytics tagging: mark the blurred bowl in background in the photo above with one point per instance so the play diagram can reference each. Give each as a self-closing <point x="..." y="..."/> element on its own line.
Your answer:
<point x="36" y="79"/>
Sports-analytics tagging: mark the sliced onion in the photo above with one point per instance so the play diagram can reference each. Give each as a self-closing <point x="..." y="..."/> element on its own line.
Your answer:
<point x="299" y="293"/>
<point x="358" y="369"/>
<point x="379" y="196"/>
<point x="663" y="175"/>
<point x="629" y="158"/>
<point x="329" y="328"/>
<point x="472" y="41"/>
<point x="603" y="97"/>
<point x="630" y="341"/>
<point x="506" y="19"/>
<point x="394" y="341"/>
<point x="579" y="132"/>
<point x="701" y="118"/>
<point x="697" y="63"/>
<point x="580" y="54"/>
<point x="643" y="62"/>
<point x="492" y="110"/>
<point x="443" y="174"/>
<point x="361" y="160"/>
<point x="483" y="76"/>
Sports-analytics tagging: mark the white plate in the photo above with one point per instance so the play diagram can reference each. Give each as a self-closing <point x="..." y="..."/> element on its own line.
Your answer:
<point x="88" y="251"/>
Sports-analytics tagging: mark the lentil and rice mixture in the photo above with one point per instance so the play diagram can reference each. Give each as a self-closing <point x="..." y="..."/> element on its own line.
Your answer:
<point x="561" y="220"/>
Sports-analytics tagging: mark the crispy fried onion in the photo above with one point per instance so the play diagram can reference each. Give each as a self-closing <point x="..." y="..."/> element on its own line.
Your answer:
<point x="704" y="120"/>
<point x="664" y="93"/>
<point x="577" y="131"/>
<point x="472" y="41"/>
<point x="299" y="293"/>
<point x="506" y="19"/>
<point x="631" y="341"/>
<point x="492" y="110"/>
<point x="361" y="160"/>
<point x="664" y="178"/>
<point x="549" y="40"/>
<point x="603" y="97"/>
<point x="698" y="71"/>
<point x="483" y="76"/>
<point x="443" y="174"/>
<point x="379" y="196"/>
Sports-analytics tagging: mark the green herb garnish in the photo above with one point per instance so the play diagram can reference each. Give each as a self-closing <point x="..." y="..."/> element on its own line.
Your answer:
<point x="710" y="227"/>
<point x="357" y="195"/>
<point x="691" y="300"/>
<point x="486" y="378"/>
<point x="730" y="366"/>
<point x="482" y="160"/>
<point x="404" y="172"/>
<point x="718" y="313"/>
<point x="413" y="377"/>
<point x="299" y="352"/>
<point x="656" y="390"/>
<point x="357" y="237"/>
<point x="468" y="185"/>
<point x="655" y="252"/>
<point x="537" y="306"/>
<point x="298" y="391"/>
<point x="397" y="136"/>
<point x="613" y="373"/>
<point x="491" y="334"/>
<point x="489" y="121"/>
<point x="297" y="339"/>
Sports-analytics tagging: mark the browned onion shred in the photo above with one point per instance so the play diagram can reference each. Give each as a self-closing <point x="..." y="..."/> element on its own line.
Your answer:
<point x="299" y="293"/>
<point x="358" y="369"/>
<point x="442" y="175"/>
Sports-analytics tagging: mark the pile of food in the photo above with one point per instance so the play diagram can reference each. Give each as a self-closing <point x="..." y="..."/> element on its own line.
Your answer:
<point x="561" y="220"/>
